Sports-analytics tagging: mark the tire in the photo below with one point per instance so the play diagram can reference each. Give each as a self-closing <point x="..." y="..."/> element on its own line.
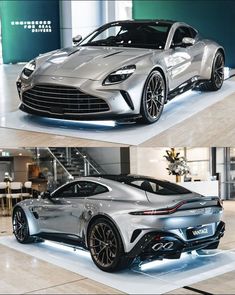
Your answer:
<point x="20" y="226"/>
<point x="153" y="98"/>
<point x="217" y="74"/>
<point x="106" y="247"/>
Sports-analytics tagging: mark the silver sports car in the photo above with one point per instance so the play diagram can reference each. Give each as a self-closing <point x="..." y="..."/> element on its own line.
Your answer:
<point x="123" y="70"/>
<point x="123" y="218"/>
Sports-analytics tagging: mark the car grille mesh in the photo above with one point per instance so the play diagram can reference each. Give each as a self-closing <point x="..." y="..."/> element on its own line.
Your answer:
<point x="62" y="100"/>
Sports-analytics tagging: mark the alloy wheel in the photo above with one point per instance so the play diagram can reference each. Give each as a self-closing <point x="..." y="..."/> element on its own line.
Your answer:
<point x="20" y="226"/>
<point x="219" y="70"/>
<point x="103" y="244"/>
<point x="154" y="95"/>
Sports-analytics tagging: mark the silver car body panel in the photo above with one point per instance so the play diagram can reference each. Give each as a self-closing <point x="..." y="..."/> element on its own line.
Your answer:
<point x="86" y="67"/>
<point x="73" y="215"/>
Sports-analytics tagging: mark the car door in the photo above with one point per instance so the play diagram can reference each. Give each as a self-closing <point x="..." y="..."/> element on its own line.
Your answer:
<point x="62" y="211"/>
<point x="183" y="62"/>
<point x="67" y="210"/>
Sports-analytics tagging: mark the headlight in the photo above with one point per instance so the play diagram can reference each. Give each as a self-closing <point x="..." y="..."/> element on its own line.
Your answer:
<point x="29" y="68"/>
<point x="120" y="75"/>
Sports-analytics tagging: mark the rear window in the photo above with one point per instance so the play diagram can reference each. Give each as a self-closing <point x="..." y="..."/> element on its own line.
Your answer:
<point x="159" y="187"/>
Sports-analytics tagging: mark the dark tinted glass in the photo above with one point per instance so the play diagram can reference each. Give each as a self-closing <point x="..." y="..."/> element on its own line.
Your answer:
<point x="148" y="184"/>
<point x="80" y="189"/>
<point x="140" y="35"/>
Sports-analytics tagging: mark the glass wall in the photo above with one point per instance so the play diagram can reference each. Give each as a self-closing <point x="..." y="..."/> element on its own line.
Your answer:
<point x="199" y="163"/>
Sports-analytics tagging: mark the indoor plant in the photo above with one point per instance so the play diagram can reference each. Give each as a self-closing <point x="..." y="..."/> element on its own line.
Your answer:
<point x="177" y="165"/>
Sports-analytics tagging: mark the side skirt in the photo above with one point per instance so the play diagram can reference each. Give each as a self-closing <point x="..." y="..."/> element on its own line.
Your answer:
<point x="188" y="85"/>
<point x="66" y="239"/>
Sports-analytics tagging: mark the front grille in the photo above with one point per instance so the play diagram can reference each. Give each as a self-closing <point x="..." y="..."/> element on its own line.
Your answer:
<point x="58" y="99"/>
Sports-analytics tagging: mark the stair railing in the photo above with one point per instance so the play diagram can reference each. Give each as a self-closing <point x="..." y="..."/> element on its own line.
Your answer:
<point x="58" y="161"/>
<point x="87" y="163"/>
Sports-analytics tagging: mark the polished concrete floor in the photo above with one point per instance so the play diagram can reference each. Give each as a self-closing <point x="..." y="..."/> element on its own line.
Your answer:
<point x="213" y="126"/>
<point x="22" y="273"/>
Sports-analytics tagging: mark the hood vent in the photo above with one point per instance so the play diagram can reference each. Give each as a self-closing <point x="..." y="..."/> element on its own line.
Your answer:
<point x="111" y="54"/>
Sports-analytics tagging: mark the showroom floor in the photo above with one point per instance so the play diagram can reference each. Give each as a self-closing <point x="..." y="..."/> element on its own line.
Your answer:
<point x="22" y="273"/>
<point x="189" y="130"/>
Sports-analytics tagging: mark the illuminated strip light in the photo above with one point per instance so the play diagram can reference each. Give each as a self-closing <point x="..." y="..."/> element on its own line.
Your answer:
<point x="165" y="262"/>
<point x="66" y="248"/>
<point x="169" y="210"/>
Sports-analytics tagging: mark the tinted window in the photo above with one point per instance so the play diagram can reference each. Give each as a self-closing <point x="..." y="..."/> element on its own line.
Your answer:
<point x="152" y="185"/>
<point x="159" y="187"/>
<point x="143" y="35"/>
<point x="193" y="32"/>
<point x="180" y="33"/>
<point x="80" y="189"/>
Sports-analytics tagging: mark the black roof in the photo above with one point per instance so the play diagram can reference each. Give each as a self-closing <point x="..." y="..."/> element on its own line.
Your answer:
<point x="144" y="21"/>
<point x="166" y="21"/>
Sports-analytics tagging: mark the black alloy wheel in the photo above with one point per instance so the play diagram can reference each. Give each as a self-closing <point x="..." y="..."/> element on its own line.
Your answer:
<point x="153" y="98"/>
<point x="20" y="226"/>
<point x="106" y="246"/>
<point x="217" y="74"/>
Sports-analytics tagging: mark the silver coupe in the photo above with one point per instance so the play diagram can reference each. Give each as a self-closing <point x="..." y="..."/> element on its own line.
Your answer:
<point x="123" y="70"/>
<point x="121" y="219"/>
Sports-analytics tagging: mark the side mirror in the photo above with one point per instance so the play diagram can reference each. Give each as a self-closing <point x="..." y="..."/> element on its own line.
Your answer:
<point x="187" y="41"/>
<point x="46" y="195"/>
<point x="77" y="39"/>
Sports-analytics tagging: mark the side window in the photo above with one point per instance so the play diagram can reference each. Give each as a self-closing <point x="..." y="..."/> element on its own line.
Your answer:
<point x="89" y="188"/>
<point x="180" y="33"/>
<point x="81" y="189"/>
<point x="69" y="191"/>
<point x="193" y="32"/>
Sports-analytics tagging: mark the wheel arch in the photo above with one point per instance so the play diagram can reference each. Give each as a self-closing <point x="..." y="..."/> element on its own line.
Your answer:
<point x="110" y="219"/>
<point x="32" y="223"/>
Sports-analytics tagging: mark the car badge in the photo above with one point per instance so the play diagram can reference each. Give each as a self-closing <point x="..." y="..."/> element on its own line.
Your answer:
<point x="202" y="203"/>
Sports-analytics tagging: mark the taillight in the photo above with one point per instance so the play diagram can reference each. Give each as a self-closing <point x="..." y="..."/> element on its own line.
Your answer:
<point x="162" y="211"/>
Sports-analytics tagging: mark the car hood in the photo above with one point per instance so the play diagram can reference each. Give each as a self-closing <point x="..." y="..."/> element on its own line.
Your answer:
<point x="90" y="62"/>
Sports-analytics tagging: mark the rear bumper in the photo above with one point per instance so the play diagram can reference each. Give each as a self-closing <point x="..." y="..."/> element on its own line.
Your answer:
<point x="144" y="247"/>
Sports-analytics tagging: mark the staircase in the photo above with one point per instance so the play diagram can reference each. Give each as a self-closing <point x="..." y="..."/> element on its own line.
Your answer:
<point x="75" y="161"/>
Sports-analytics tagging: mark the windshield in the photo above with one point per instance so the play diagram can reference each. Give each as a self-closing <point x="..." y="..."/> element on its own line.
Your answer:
<point x="150" y="35"/>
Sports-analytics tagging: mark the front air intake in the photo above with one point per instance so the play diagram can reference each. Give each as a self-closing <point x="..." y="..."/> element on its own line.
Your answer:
<point x="58" y="99"/>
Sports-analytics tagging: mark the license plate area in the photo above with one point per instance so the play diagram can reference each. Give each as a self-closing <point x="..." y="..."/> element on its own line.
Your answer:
<point x="199" y="232"/>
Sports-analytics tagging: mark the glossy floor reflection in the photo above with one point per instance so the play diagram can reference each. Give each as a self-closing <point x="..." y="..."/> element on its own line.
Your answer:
<point x="188" y="270"/>
<point x="175" y="112"/>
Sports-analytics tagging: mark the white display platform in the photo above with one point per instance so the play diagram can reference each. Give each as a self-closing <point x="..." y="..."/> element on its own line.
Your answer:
<point x="176" y="111"/>
<point x="155" y="277"/>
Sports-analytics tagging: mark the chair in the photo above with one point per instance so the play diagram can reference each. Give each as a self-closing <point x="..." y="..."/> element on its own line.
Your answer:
<point x="3" y="192"/>
<point x="27" y="191"/>
<point x="15" y="192"/>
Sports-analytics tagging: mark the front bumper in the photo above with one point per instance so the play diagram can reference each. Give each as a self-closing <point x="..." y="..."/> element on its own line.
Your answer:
<point x="144" y="247"/>
<point x="121" y="101"/>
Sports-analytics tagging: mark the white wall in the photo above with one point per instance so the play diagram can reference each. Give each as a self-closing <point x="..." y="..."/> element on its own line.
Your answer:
<point x="150" y="162"/>
<point x="86" y="16"/>
<point x="89" y="15"/>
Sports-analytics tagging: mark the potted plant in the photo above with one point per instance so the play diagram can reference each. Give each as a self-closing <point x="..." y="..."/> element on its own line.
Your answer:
<point x="177" y="165"/>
